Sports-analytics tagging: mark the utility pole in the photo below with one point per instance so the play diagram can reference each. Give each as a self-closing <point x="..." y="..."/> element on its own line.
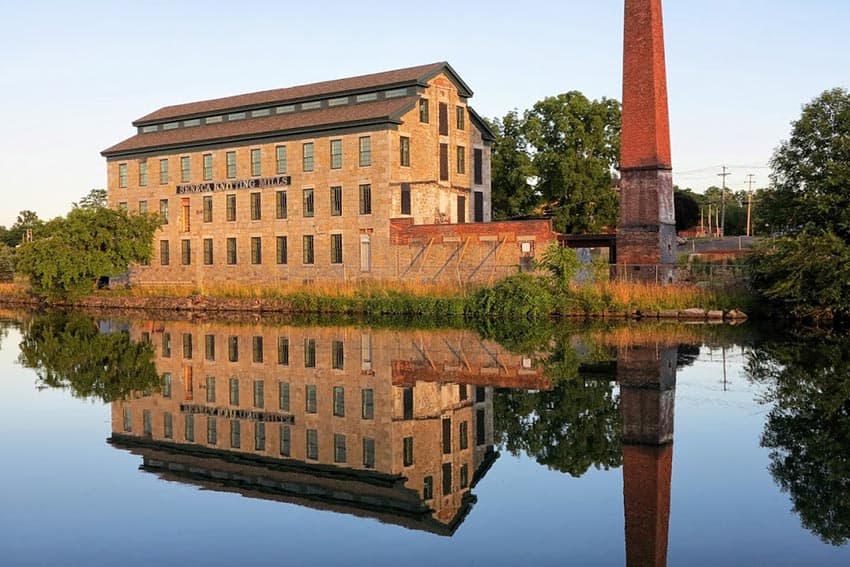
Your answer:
<point x="723" y="201"/>
<point x="750" y="181"/>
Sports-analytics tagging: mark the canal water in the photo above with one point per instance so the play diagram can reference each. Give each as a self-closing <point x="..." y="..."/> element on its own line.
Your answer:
<point x="163" y="440"/>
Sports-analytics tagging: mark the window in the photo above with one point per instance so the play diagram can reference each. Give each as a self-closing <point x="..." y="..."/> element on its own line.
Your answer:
<point x="366" y="352"/>
<point x="478" y="206"/>
<point x="256" y="208"/>
<point x="283" y="396"/>
<point x="310" y="398"/>
<point x="444" y="119"/>
<point x="312" y="444"/>
<point x="309" y="353"/>
<point x="480" y="394"/>
<point x="407" y="451"/>
<point x="366" y="199"/>
<point x="163" y="171"/>
<point x="280" y="158"/>
<point x="464" y="434"/>
<point x="424" y="108"/>
<point x="447" y="479"/>
<point x="428" y="488"/>
<point x="212" y="431"/>
<point x="234" y="392"/>
<point x="168" y="426"/>
<point x="233" y="349"/>
<point x="122" y="206"/>
<point x="166" y="348"/>
<point x="280" y="250"/>
<point x="307" y="156"/>
<point x="147" y="427"/>
<point x="367" y="410"/>
<point x="464" y="475"/>
<point x="186" y="252"/>
<point x="164" y="252"/>
<point x="463" y="392"/>
<point x="209" y="347"/>
<point x="339" y="401"/>
<point x="259" y="394"/>
<point x="283" y="351"/>
<point x="461" y="160"/>
<point x="230" y="202"/>
<point x="187" y="345"/>
<point x="256" y="250"/>
<point x="365" y="145"/>
<point x="308" y="248"/>
<point x="208" y="171"/>
<point x="339" y="448"/>
<point x="166" y="378"/>
<point x="143" y="207"/>
<point x="235" y="434"/>
<point x="280" y="204"/>
<point x="405" y="198"/>
<point x="185" y="168"/>
<point x="257" y="349"/>
<point x="447" y="436"/>
<point x="479" y="426"/>
<point x="444" y="162"/>
<point x="337" y="355"/>
<point x="189" y="427"/>
<point x="477" y="166"/>
<point x="122" y="175"/>
<point x="336" y="201"/>
<point x="285" y="440"/>
<point x="368" y="453"/>
<point x="365" y="253"/>
<point x="230" y="161"/>
<point x="256" y="166"/>
<point x="460" y="113"/>
<point x="461" y="209"/>
<point x="163" y="211"/>
<point x="208" y="208"/>
<point x="404" y="149"/>
<point x="208" y="251"/>
<point x="231" y="251"/>
<point x="336" y="249"/>
<point x="210" y="388"/>
<point x="309" y="203"/>
<point x="336" y="154"/>
<point x="407" y="403"/>
<point x="143" y="173"/>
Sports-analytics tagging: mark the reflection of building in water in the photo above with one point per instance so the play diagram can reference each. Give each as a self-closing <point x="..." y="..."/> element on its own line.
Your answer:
<point x="647" y="376"/>
<point x="392" y="425"/>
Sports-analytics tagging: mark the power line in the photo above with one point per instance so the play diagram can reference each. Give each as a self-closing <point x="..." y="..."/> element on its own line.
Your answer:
<point x="723" y="200"/>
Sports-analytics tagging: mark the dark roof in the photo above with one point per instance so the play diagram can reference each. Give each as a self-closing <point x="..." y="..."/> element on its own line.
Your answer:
<point x="486" y="132"/>
<point x="385" y="111"/>
<point x="385" y="80"/>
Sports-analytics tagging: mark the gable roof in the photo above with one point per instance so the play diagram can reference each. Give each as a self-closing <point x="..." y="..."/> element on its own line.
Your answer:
<point x="333" y="118"/>
<point x="409" y="76"/>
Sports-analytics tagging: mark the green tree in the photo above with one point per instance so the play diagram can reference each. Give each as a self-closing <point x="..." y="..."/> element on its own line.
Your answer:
<point x="67" y="351"/>
<point x="575" y="144"/>
<point x="811" y="170"/>
<point x="511" y="170"/>
<point x="808" y="427"/>
<point x="26" y="222"/>
<point x="687" y="209"/>
<point x="96" y="198"/>
<point x="85" y="245"/>
<point x="7" y="263"/>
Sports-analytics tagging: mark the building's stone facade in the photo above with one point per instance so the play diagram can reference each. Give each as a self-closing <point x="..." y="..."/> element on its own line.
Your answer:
<point x="428" y="161"/>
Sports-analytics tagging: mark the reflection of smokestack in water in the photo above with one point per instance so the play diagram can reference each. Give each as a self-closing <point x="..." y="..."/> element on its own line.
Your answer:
<point x="647" y="376"/>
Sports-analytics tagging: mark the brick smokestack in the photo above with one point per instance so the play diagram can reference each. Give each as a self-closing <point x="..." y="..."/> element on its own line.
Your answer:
<point x="646" y="236"/>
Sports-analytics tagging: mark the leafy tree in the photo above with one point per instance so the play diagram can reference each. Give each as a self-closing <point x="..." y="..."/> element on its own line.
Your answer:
<point x="87" y="244"/>
<point x="575" y="146"/>
<point x="687" y="209"/>
<point x="96" y="198"/>
<point x="7" y="263"/>
<point x="811" y="170"/>
<point x="67" y="351"/>
<point x="26" y="221"/>
<point x="511" y="170"/>
<point x="808" y="428"/>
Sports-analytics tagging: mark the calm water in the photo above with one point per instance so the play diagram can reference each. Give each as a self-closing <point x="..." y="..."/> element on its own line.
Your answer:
<point x="144" y="442"/>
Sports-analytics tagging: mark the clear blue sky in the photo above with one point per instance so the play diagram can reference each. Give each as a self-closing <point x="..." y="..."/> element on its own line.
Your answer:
<point x="75" y="74"/>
